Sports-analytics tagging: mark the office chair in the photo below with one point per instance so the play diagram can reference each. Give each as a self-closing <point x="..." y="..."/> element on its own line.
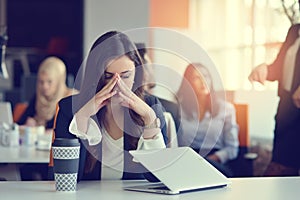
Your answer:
<point x="242" y="166"/>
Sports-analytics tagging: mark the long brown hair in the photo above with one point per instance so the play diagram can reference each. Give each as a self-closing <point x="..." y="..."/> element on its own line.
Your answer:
<point x="107" y="47"/>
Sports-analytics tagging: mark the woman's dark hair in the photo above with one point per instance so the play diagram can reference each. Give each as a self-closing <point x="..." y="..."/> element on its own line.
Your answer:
<point x="141" y="47"/>
<point x="149" y="76"/>
<point x="107" y="47"/>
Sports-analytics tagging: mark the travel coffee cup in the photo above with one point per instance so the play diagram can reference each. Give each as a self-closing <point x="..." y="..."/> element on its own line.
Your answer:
<point x="66" y="160"/>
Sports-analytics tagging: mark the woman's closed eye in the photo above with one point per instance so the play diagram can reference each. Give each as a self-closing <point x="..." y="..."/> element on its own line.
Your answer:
<point x="108" y="75"/>
<point x="123" y="75"/>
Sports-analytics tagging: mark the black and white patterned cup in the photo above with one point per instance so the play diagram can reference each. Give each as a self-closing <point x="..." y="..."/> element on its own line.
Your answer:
<point x="66" y="161"/>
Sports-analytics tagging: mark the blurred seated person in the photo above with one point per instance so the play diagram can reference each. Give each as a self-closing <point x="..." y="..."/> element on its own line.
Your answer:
<point x="50" y="88"/>
<point x="208" y="122"/>
<point x="112" y="114"/>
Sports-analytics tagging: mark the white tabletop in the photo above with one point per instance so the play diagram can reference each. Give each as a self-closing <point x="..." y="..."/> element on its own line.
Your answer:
<point x="241" y="188"/>
<point x="23" y="154"/>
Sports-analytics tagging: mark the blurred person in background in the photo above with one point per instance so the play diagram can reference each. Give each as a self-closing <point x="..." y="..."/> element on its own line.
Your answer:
<point x="50" y="88"/>
<point x="286" y="70"/>
<point x="208" y="123"/>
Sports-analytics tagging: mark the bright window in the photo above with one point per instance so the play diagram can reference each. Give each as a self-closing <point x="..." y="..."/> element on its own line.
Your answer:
<point x="238" y="35"/>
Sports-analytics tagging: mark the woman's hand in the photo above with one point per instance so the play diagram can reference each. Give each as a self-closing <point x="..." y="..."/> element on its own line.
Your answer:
<point x="130" y="100"/>
<point x="31" y="122"/>
<point x="95" y="104"/>
<point x="99" y="100"/>
<point x="214" y="157"/>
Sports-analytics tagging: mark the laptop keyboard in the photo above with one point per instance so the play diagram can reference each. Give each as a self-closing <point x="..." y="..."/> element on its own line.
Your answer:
<point x="159" y="187"/>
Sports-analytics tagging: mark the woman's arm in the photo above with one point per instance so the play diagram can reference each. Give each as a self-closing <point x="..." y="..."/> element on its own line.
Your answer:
<point x="159" y="131"/>
<point x="93" y="134"/>
<point x="229" y="136"/>
<point x="29" y="112"/>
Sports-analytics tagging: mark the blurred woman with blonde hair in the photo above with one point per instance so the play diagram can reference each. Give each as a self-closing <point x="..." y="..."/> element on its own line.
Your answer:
<point x="50" y="88"/>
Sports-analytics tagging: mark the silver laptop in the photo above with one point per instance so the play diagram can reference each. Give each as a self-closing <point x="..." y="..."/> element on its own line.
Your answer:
<point x="6" y="115"/>
<point x="179" y="170"/>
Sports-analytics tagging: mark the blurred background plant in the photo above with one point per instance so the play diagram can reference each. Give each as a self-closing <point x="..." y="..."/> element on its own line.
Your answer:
<point x="291" y="9"/>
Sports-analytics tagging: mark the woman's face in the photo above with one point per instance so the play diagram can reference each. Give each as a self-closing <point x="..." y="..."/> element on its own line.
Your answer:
<point x="199" y="81"/>
<point x="47" y="84"/>
<point x="122" y="66"/>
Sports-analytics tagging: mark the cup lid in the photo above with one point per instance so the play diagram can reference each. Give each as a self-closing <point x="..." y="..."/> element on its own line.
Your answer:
<point x="61" y="142"/>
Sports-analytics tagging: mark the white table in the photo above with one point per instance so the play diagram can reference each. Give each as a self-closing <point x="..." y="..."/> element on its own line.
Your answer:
<point x="23" y="154"/>
<point x="241" y="188"/>
<point x="14" y="156"/>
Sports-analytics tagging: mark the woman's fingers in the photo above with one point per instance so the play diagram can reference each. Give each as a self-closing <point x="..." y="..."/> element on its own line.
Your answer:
<point x="110" y="85"/>
<point x="101" y="99"/>
<point x="123" y="87"/>
<point x="129" y="99"/>
<point x="95" y="104"/>
<point x="107" y="91"/>
<point x="126" y="101"/>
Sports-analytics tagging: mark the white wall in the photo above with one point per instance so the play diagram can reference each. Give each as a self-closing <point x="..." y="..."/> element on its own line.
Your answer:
<point x="262" y="110"/>
<point x="174" y="50"/>
<point x="105" y="15"/>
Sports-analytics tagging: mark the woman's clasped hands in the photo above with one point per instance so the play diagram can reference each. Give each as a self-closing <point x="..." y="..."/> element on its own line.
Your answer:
<point x="124" y="96"/>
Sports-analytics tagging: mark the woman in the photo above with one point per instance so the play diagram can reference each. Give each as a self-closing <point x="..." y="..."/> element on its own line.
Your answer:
<point x="51" y="87"/>
<point x="111" y="114"/>
<point x="208" y="123"/>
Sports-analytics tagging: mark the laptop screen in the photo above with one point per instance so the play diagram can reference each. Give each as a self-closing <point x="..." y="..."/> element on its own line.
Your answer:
<point x="180" y="169"/>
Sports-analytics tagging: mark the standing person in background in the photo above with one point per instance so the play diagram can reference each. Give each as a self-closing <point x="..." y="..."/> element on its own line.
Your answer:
<point x="112" y="114"/>
<point x="286" y="70"/>
<point x="50" y="88"/>
<point x="208" y="123"/>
